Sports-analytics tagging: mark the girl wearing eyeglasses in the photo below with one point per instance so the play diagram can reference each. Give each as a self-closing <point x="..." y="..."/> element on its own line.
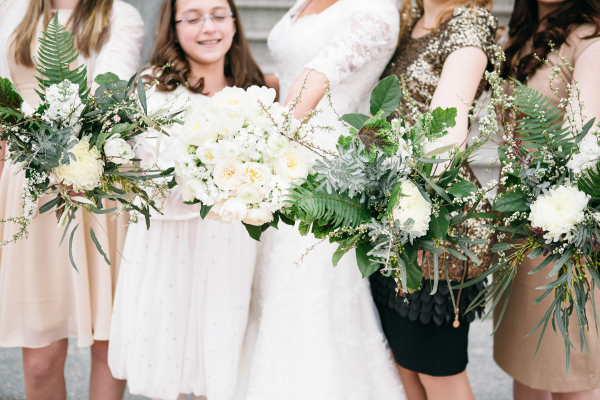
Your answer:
<point x="182" y="299"/>
<point x="43" y="300"/>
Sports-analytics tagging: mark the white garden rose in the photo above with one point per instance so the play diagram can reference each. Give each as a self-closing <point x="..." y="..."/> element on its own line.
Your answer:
<point x="256" y="174"/>
<point x="186" y="192"/>
<point x="118" y="150"/>
<point x="258" y="216"/>
<point x="231" y="120"/>
<point x="230" y="97"/>
<point x="558" y="212"/>
<point x="263" y="94"/>
<point x="291" y="165"/>
<point x="588" y="156"/>
<point x="228" y="175"/>
<point x="414" y="206"/>
<point x="196" y="186"/>
<point x="84" y="173"/>
<point x="233" y="210"/>
<point x="277" y="145"/>
<point x="249" y="194"/>
<point x="200" y="126"/>
<point x="209" y="153"/>
<point x="229" y="150"/>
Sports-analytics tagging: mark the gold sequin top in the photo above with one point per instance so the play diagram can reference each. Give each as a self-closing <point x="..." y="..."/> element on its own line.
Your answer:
<point x="419" y="63"/>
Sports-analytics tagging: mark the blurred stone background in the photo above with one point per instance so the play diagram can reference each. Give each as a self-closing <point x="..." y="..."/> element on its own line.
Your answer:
<point x="259" y="16"/>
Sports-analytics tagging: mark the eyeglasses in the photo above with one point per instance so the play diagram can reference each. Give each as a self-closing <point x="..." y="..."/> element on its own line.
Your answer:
<point x="199" y="20"/>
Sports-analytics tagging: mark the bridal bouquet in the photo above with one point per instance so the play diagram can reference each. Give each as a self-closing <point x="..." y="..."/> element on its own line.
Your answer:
<point x="552" y="207"/>
<point x="238" y="154"/>
<point x="77" y="146"/>
<point x="392" y="190"/>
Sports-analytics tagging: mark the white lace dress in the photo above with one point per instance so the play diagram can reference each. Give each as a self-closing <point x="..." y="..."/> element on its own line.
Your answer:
<point x="182" y="297"/>
<point x="313" y="331"/>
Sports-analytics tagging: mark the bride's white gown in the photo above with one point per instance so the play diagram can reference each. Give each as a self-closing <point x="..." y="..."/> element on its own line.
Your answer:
<point x="313" y="330"/>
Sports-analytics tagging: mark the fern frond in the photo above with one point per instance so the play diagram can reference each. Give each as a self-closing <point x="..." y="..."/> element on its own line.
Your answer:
<point x="335" y="209"/>
<point x="590" y="182"/>
<point x="55" y="55"/>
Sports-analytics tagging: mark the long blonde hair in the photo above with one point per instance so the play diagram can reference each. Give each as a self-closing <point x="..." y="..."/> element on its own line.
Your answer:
<point x="406" y="13"/>
<point x="90" y="24"/>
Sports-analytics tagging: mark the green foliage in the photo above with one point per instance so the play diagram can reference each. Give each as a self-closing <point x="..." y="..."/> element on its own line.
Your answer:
<point x="375" y="136"/>
<point x="355" y="120"/>
<point x="590" y="182"/>
<point x="438" y="226"/>
<point x="385" y="98"/>
<point x="511" y="202"/>
<point x="366" y="265"/>
<point x="9" y="96"/>
<point x="443" y="118"/>
<point x="55" y="55"/>
<point x="462" y="189"/>
<point x="106" y="78"/>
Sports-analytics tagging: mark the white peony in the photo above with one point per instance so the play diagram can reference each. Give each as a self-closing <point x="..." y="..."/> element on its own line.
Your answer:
<point x="230" y="97"/>
<point x="558" y="212"/>
<point x="231" y="120"/>
<point x="209" y="153"/>
<point x="588" y="156"/>
<point x="233" y="210"/>
<point x="249" y="194"/>
<point x="277" y="145"/>
<point x="84" y="173"/>
<point x="413" y="205"/>
<point x="292" y="165"/>
<point x="228" y="175"/>
<point x="256" y="174"/>
<point x="118" y="150"/>
<point x="258" y="216"/>
<point x="200" y="126"/>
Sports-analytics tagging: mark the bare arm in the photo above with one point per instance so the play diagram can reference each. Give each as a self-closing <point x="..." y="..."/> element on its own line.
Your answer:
<point x="272" y="81"/>
<point x="314" y="92"/>
<point x="458" y="84"/>
<point x="586" y="73"/>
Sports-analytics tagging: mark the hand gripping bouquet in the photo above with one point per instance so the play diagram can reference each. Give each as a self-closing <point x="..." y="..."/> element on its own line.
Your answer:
<point x="392" y="190"/>
<point x="76" y="146"/>
<point x="551" y="173"/>
<point x="238" y="154"/>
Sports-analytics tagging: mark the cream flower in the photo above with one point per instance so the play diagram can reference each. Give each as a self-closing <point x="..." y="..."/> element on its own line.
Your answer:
<point x="588" y="156"/>
<point x="258" y="216"/>
<point x="200" y="126"/>
<point x="249" y="194"/>
<point x="230" y="97"/>
<point x="84" y="173"/>
<point x="231" y="120"/>
<point x="209" y="153"/>
<point x="233" y="210"/>
<point x="414" y="206"/>
<point x="118" y="150"/>
<point x="558" y="212"/>
<point x="256" y="174"/>
<point x="291" y="165"/>
<point x="277" y="145"/>
<point x="228" y="175"/>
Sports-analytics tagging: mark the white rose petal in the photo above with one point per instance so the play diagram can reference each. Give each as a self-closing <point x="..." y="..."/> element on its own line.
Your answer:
<point x="249" y="194"/>
<point x="277" y="145"/>
<point x="291" y="165"/>
<point x="118" y="150"/>
<point x="228" y="175"/>
<point x="229" y="150"/>
<point x="588" y="156"/>
<point x="200" y="127"/>
<point x="414" y="206"/>
<point x="231" y="120"/>
<point x="233" y="211"/>
<point x="209" y="153"/>
<point x="258" y="216"/>
<point x="256" y="174"/>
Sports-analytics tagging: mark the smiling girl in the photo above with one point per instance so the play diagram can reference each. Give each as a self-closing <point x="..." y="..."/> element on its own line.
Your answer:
<point x="184" y="289"/>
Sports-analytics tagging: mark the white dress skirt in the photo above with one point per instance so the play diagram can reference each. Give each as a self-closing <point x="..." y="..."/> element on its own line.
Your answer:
<point x="182" y="299"/>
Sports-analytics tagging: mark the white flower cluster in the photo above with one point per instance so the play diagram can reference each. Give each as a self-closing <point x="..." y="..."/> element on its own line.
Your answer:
<point x="558" y="212"/>
<point x="85" y="172"/>
<point x="64" y="104"/>
<point x="413" y="205"/>
<point x="588" y="156"/>
<point x="228" y="156"/>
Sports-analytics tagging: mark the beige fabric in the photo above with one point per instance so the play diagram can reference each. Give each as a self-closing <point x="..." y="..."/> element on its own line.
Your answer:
<point x="512" y="350"/>
<point x="42" y="298"/>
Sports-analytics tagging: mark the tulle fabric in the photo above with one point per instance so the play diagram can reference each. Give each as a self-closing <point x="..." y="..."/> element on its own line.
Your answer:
<point x="181" y="308"/>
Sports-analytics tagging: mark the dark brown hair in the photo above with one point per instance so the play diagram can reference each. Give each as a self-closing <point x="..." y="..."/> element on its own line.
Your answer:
<point x="240" y="67"/>
<point x="555" y="27"/>
<point x="90" y="24"/>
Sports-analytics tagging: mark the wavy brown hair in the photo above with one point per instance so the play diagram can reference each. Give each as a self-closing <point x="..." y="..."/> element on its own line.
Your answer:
<point x="525" y="25"/>
<point x="171" y="68"/>
<point x="407" y="14"/>
<point x="89" y="22"/>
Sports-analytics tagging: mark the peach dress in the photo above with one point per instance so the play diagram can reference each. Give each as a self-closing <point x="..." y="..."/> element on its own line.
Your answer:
<point x="42" y="298"/>
<point x="513" y="351"/>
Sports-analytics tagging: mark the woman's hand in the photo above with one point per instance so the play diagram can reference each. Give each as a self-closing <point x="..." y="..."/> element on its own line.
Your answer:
<point x="315" y="90"/>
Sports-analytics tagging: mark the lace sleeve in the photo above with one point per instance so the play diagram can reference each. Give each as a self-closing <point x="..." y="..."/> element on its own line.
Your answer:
<point x="365" y="37"/>
<point x="122" y="53"/>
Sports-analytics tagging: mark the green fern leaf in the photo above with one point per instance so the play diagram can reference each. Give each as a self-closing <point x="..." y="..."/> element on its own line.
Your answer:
<point x="55" y="55"/>
<point x="328" y="208"/>
<point x="590" y="182"/>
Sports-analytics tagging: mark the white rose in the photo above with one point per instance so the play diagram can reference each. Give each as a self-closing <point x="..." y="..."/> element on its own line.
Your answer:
<point x="233" y="210"/>
<point x="588" y="156"/>
<point x="436" y="144"/>
<point x="118" y="150"/>
<point x="209" y="153"/>
<point x="196" y="186"/>
<point x="291" y="165"/>
<point x="228" y="175"/>
<point x="258" y="216"/>
<point x="263" y="94"/>
<point x="200" y="126"/>
<point x="558" y="212"/>
<point x="231" y="120"/>
<point x="277" y="145"/>
<point x="229" y="150"/>
<point x="413" y="205"/>
<point x="249" y="194"/>
<point x="230" y="97"/>
<point x="256" y="174"/>
<point x="86" y="171"/>
<point x="186" y="193"/>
